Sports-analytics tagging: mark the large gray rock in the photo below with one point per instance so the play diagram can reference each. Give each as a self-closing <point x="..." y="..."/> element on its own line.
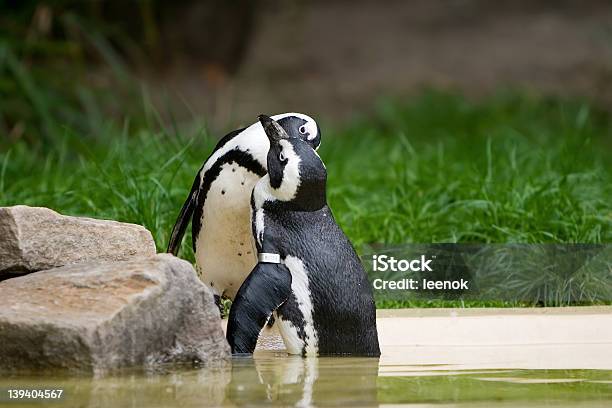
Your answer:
<point x="34" y="239"/>
<point x="95" y="317"/>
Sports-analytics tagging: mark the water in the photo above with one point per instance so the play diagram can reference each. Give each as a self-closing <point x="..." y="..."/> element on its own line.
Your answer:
<point x="445" y="358"/>
<point x="273" y="378"/>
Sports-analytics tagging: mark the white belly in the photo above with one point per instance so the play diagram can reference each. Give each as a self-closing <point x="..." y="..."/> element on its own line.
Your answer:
<point x="225" y="252"/>
<point x="301" y="290"/>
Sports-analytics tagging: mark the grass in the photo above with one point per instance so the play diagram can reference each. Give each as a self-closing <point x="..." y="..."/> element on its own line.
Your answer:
<point x="437" y="168"/>
<point x="442" y="169"/>
<point x="443" y="303"/>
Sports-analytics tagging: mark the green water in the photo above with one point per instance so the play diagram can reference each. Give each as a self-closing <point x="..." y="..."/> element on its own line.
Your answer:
<point x="277" y="379"/>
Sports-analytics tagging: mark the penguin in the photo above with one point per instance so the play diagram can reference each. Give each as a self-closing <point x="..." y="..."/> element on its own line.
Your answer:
<point x="308" y="276"/>
<point x="218" y="203"/>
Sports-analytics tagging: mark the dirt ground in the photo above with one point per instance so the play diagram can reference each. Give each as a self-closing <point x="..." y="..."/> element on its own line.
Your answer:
<point x="334" y="59"/>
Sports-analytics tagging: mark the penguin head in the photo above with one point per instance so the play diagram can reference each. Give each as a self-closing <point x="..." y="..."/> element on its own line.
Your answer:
<point x="295" y="170"/>
<point x="298" y="125"/>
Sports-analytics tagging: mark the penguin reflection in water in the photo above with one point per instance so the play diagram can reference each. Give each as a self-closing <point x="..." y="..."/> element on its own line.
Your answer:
<point x="293" y="381"/>
<point x="308" y="274"/>
<point x="219" y="203"/>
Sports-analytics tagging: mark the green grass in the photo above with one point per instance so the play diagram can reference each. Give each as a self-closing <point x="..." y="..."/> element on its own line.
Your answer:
<point x="437" y="168"/>
<point x="443" y="303"/>
<point x="442" y="169"/>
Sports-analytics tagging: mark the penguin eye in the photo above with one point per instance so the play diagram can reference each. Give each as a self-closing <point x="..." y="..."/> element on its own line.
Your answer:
<point x="302" y="129"/>
<point x="281" y="156"/>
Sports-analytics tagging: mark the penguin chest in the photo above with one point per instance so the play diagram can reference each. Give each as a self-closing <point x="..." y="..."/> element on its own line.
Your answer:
<point x="295" y="317"/>
<point x="225" y="253"/>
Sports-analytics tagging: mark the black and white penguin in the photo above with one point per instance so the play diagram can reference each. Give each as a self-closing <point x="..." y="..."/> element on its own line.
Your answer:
<point x="308" y="274"/>
<point x="219" y="203"/>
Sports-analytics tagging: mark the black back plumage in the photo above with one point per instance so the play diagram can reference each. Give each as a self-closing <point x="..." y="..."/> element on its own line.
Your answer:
<point x="344" y="312"/>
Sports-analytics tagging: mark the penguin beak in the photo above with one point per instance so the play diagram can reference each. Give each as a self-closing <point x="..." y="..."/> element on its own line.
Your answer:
<point x="273" y="130"/>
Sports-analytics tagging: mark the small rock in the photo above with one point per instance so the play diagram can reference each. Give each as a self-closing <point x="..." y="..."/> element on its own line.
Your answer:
<point x="34" y="239"/>
<point x="100" y="316"/>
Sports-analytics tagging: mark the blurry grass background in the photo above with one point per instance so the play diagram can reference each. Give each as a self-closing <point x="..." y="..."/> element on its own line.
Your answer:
<point x="435" y="169"/>
<point x="514" y="167"/>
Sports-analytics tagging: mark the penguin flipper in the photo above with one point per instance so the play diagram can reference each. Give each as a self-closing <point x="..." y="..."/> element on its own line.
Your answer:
<point x="180" y="226"/>
<point x="266" y="288"/>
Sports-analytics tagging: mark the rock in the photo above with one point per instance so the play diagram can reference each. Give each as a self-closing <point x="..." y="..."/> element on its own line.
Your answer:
<point x="100" y="316"/>
<point x="34" y="239"/>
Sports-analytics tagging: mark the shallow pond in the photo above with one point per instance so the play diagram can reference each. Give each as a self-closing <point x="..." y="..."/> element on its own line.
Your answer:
<point x="275" y="378"/>
<point x="534" y="358"/>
